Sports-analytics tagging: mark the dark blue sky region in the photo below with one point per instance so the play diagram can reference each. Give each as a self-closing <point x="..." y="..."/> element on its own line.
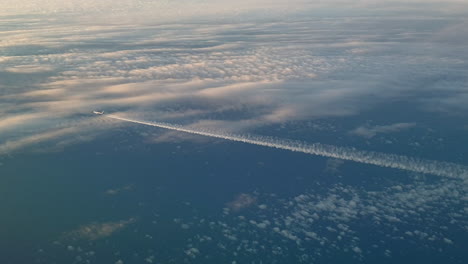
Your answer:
<point x="361" y="76"/>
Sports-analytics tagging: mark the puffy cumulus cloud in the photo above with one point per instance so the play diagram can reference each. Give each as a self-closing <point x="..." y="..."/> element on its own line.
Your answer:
<point x="98" y="230"/>
<point x="241" y="201"/>
<point x="329" y="221"/>
<point x="369" y="132"/>
<point x="320" y="224"/>
<point x="326" y="222"/>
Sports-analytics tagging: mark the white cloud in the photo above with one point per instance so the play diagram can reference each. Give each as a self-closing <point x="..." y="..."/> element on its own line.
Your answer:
<point x="242" y="201"/>
<point x="116" y="191"/>
<point x="331" y="221"/>
<point x="30" y="69"/>
<point x="264" y="72"/>
<point x="98" y="230"/>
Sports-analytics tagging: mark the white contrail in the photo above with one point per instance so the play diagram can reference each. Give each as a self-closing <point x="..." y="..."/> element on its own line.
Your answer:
<point x="445" y="169"/>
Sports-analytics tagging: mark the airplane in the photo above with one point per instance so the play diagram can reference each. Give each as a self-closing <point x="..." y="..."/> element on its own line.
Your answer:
<point x="98" y="113"/>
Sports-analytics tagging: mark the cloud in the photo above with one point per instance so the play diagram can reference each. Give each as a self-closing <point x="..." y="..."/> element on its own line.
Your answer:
<point x="11" y="121"/>
<point x="260" y="65"/>
<point x="116" y="191"/>
<point x="96" y="230"/>
<point x="369" y="132"/>
<point x="45" y="92"/>
<point x="235" y="76"/>
<point x="30" y="69"/>
<point x="177" y="137"/>
<point x="333" y="166"/>
<point x="13" y="145"/>
<point x="241" y="201"/>
<point x="331" y="221"/>
<point x="55" y="137"/>
<point x="332" y="218"/>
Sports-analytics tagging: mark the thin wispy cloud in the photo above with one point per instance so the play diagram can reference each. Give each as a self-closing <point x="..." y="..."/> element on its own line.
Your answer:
<point x="371" y="131"/>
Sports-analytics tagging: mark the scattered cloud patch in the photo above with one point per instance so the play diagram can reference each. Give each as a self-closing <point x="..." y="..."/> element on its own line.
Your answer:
<point x="332" y="166"/>
<point x="119" y="190"/>
<point x="242" y="201"/>
<point x="371" y="131"/>
<point x="95" y="231"/>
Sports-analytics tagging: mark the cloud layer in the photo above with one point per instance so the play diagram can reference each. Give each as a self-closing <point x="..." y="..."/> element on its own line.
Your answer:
<point x="287" y="68"/>
<point x="232" y="75"/>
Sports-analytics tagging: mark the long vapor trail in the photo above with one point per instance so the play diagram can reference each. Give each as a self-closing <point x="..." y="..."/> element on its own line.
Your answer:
<point x="444" y="169"/>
